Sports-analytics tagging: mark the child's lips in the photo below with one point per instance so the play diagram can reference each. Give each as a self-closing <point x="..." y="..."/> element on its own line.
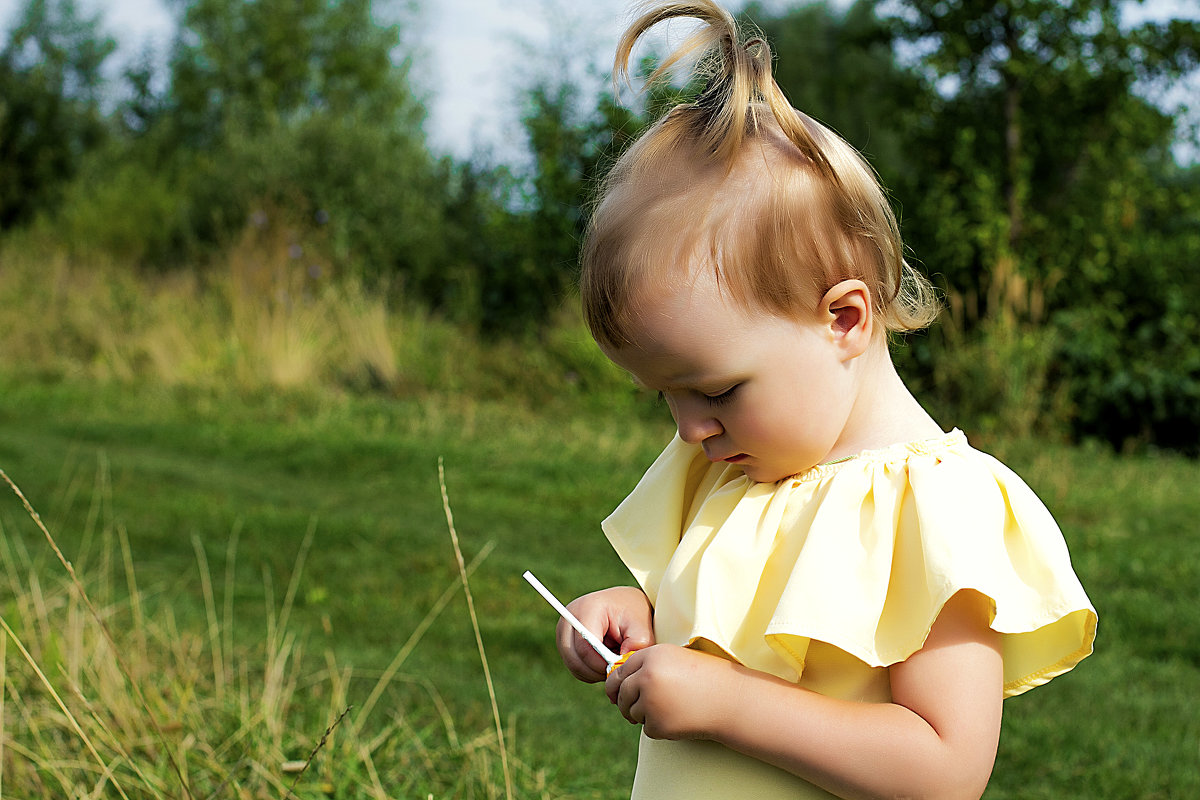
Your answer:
<point x="734" y="459"/>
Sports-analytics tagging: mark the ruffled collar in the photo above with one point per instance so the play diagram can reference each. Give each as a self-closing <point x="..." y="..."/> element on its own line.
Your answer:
<point x="894" y="453"/>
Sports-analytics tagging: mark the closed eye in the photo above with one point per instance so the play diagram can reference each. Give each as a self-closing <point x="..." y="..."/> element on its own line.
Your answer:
<point x="722" y="399"/>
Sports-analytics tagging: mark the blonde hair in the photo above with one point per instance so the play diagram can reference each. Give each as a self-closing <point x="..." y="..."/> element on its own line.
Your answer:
<point x="781" y="206"/>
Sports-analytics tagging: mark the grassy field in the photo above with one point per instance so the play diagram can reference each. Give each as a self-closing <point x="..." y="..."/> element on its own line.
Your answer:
<point x="174" y="467"/>
<point x="216" y="492"/>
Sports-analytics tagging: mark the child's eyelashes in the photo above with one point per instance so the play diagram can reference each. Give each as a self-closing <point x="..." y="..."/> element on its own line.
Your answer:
<point x="721" y="399"/>
<point x="713" y="400"/>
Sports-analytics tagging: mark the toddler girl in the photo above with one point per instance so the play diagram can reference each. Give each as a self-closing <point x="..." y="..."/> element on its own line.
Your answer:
<point x="835" y="595"/>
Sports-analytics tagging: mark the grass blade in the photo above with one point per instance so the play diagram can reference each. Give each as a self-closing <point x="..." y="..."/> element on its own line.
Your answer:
<point x="487" y="673"/>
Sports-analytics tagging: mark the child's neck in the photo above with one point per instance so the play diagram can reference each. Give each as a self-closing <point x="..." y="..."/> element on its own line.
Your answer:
<point x="885" y="412"/>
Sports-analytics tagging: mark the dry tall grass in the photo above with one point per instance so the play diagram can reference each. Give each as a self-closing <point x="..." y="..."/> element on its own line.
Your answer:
<point x="104" y="694"/>
<point x="269" y="312"/>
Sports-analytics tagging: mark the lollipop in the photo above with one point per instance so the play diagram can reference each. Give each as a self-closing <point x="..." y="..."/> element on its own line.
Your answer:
<point x="612" y="659"/>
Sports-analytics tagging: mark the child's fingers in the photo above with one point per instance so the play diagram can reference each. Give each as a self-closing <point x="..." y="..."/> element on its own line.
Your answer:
<point x="624" y="668"/>
<point x="578" y="656"/>
<point x="633" y="634"/>
<point x="621" y="617"/>
<point x="623" y="692"/>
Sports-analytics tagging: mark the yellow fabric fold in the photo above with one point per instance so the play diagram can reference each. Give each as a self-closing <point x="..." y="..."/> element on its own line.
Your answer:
<point x="860" y="555"/>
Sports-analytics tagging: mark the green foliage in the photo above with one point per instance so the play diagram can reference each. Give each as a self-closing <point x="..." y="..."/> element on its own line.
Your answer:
<point x="124" y="209"/>
<point x="50" y="117"/>
<point x="1131" y="357"/>
<point x="572" y="148"/>
<point x="1040" y="188"/>
<point x="520" y="234"/>
<point x="998" y="380"/>
<point x="1048" y="142"/>
<point x="561" y="149"/>
<point x="248" y="66"/>
<point x="384" y="223"/>
<point x="270" y="105"/>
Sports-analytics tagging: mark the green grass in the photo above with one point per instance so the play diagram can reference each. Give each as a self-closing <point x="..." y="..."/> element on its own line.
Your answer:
<point x="172" y="466"/>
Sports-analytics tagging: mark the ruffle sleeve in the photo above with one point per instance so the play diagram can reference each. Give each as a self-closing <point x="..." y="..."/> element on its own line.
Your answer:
<point x="861" y="555"/>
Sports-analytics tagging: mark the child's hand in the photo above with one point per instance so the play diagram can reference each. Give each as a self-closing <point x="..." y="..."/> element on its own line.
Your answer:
<point x="673" y="692"/>
<point x="621" y="616"/>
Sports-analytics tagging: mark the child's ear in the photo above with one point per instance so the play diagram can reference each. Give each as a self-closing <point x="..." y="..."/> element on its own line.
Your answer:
<point x="847" y="310"/>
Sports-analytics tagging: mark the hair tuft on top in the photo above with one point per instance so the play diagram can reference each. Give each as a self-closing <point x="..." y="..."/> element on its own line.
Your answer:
<point x="778" y="205"/>
<point x="736" y="69"/>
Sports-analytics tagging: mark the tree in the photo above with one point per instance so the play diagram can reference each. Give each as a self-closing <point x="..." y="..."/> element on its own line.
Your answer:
<point x="1046" y="196"/>
<point x="50" y="114"/>
<point x="258" y="63"/>
<point x="310" y="111"/>
<point x="297" y="106"/>
<point x="1039" y="121"/>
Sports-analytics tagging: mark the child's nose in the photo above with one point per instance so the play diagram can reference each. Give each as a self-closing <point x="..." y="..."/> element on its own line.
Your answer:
<point x="696" y="425"/>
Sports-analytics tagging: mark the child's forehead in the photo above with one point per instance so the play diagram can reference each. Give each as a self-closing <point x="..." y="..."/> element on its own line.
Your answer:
<point x="670" y="311"/>
<point x="683" y="334"/>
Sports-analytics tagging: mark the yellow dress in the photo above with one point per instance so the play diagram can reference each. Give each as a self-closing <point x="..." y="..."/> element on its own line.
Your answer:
<point x="827" y="578"/>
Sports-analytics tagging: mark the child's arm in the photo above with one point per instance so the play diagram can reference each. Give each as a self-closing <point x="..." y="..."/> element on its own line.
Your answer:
<point x="936" y="739"/>
<point x="623" y="619"/>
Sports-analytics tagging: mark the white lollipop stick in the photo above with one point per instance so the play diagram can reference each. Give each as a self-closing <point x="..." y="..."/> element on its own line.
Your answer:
<point x="609" y="656"/>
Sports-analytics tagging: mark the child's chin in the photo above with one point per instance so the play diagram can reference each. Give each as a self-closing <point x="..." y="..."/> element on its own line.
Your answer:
<point x="761" y="474"/>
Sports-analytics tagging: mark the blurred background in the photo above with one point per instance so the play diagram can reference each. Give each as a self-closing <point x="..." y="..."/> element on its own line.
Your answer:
<point x="1042" y="158"/>
<point x="264" y="262"/>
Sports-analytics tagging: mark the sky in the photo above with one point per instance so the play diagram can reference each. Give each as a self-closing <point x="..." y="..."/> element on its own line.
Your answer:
<point x="472" y="55"/>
